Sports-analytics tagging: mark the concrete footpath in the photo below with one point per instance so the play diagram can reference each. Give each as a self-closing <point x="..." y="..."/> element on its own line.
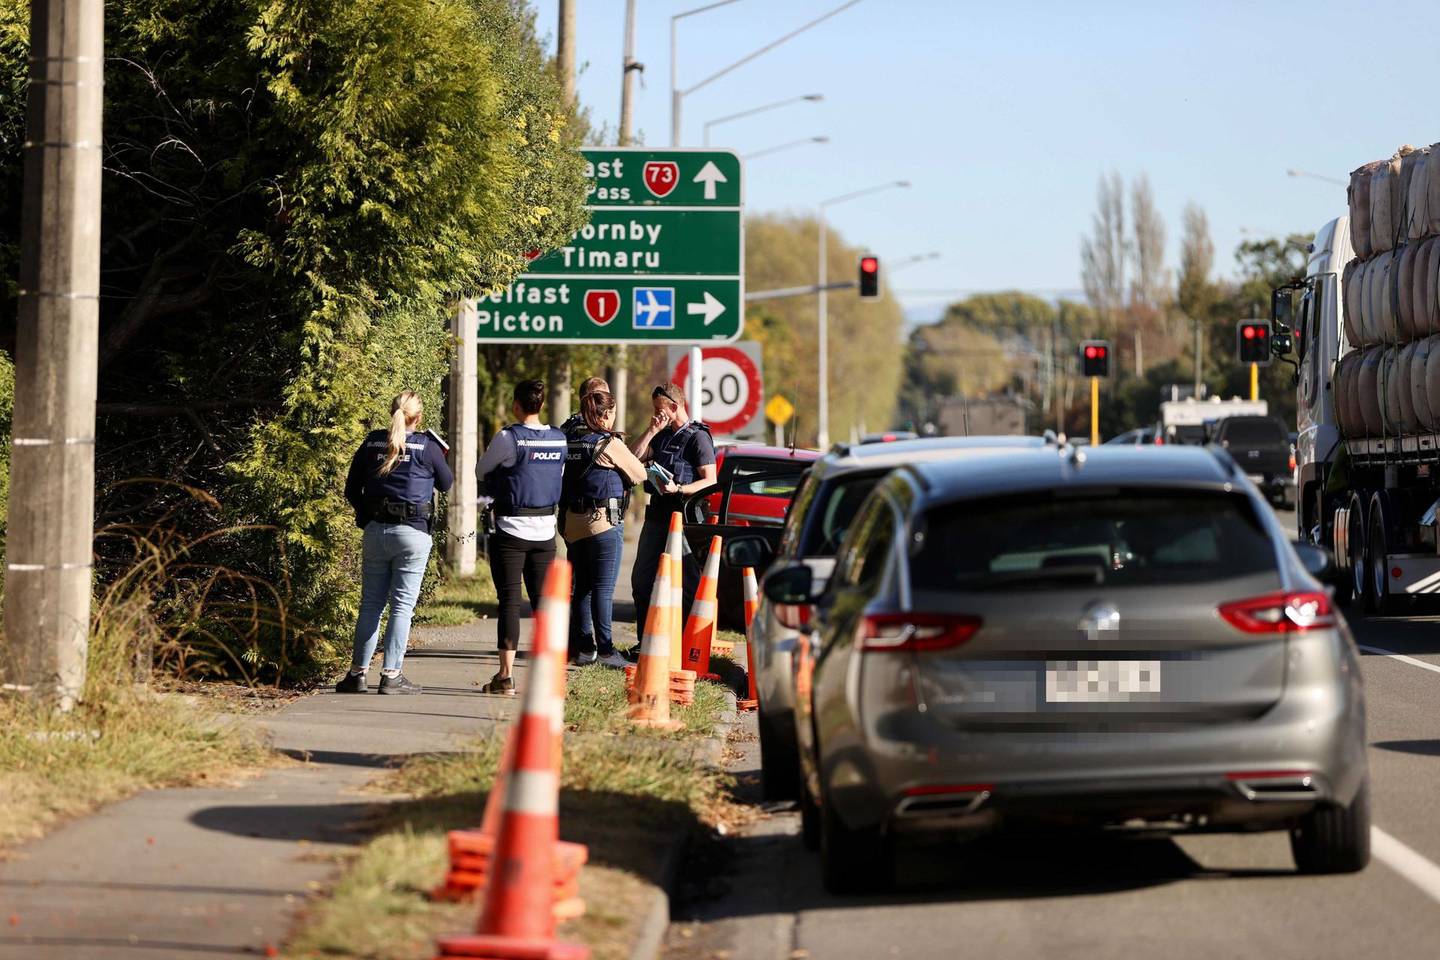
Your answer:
<point x="220" y="872"/>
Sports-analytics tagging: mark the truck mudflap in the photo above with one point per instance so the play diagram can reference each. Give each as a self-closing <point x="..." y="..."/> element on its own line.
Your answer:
<point x="1413" y="574"/>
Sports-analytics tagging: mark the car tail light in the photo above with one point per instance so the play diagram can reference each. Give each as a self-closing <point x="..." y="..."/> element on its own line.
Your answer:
<point x="1159" y="440"/>
<point x="1280" y="613"/>
<point x="793" y="615"/>
<point x="1292" y="461"/>
<point x="890" y="632"/>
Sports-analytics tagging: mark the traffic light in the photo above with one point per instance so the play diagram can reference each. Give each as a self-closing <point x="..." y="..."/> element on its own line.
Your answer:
<point x="1252" y="341"/>
<point x="869" y="277"/>
<point x="1095" y="358"/>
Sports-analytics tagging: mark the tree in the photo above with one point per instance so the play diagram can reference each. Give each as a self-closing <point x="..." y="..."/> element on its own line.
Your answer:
<point x="295" y="191"/>
<point x="1103" y="255"/>
<point x="1150" y="288"/>
<point x="1195" y="294"/>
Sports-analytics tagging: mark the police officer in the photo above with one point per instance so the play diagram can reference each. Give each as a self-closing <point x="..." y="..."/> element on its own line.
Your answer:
<point x="522" y="471"/>
<point x="599" y="472"/>
<point x="575" y="425"/>
<point x="391" y="481"/>
<point x="683" y="447"/>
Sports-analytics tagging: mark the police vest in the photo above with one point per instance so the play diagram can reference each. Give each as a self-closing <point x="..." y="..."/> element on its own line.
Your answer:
<point x="530" y="488"/>
<point x="412" y="480"/>
<point x="584" y="479"/>
<point x="669" y="452"/>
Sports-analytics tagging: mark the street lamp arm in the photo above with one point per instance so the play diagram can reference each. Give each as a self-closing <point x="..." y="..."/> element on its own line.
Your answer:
<point x="844" y="197"/>
<point x="769" y="106"/>
<point x="768" y="47"/>
<point x="785" y="146"/>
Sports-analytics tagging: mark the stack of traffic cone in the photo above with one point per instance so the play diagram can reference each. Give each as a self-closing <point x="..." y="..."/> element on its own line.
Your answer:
<point x="518" y="919"/>
<point x="752" y="603"/>
<point x="700" y="628"/>
<point x="682" y="681"/>
<point x="650" y="701"/>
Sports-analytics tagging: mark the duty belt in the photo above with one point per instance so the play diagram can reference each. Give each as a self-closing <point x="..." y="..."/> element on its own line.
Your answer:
<point x="397" y="511"/>
<point x="585" y="504"/>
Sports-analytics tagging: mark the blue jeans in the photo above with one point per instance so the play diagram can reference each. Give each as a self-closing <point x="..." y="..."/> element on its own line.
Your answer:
<point x="597" y="563"/>
<point x="392" y="569"/>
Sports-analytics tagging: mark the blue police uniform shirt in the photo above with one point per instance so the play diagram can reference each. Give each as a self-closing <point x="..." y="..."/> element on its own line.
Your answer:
<point x="534" y="482"/>
<point x="682" y="452"/>
<point x="419" y="471"/>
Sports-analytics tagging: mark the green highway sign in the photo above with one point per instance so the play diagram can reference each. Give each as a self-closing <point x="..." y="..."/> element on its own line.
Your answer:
<point x="661" y="260"/>
<point x="612" y="310"/>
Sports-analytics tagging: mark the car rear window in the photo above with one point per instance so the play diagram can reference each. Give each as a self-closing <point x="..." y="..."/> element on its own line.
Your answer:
<point x="1116" y="538"/>
<point x="1254" y="433"/>
<point x="834" y="510"/>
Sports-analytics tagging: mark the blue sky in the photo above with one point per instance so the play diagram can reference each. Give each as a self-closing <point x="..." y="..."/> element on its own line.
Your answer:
<point x="1004" y="115"/>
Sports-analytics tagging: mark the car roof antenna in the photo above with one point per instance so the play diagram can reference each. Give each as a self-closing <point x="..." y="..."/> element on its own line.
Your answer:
<point x="794" y="432"/>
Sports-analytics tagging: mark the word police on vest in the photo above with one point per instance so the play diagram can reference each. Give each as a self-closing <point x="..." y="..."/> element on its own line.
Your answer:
<point x="524" y="321"/>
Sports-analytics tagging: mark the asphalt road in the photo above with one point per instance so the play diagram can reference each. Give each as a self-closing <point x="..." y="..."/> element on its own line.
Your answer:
<point x="760" y="897"/>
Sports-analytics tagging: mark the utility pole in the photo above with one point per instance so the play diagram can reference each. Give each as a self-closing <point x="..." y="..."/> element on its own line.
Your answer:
<point x="559" y="372"/>
<point x="50" y="535"/>
<point x="462" y="526"/>
<point x="1199" y="360"/>
<point x="620" y="374"/>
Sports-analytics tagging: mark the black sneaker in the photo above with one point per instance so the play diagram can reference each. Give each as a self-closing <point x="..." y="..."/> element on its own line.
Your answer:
<point x="398" y="684"/>
<point x="499" y="686"/>
<point x="632" y="654"/>
<point x="353" y="683"/>
<point x="584" y="659"/>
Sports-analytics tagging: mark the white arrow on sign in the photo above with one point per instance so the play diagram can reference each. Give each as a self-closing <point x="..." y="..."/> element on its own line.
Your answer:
<point x="710" y="175"/>
<point x="711" y="308"/>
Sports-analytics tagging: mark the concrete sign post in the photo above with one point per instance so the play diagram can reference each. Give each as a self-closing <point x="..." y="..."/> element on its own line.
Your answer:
<point x="661" y="260"/>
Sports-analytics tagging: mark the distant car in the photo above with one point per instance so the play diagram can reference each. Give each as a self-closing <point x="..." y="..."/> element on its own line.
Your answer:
<point x="1110" y="639"/>
<point x="754" y="487"/>
<point x="1262" y="448"/>
<point x="889" y="436"/>
<point x="1141" y="436"/>
<point x="832" y="491"/>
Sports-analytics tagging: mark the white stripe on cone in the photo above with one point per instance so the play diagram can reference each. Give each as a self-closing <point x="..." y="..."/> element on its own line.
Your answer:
<point x="534" y="792"/>
<point x="656" y="642"/>
<point x="702" y="609"/>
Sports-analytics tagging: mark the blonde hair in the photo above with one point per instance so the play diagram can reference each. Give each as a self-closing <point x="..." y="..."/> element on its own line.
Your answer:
<point x="405" y="410"/>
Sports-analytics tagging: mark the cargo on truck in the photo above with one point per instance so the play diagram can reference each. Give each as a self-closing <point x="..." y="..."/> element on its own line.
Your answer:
<point x="1362" y="329"/>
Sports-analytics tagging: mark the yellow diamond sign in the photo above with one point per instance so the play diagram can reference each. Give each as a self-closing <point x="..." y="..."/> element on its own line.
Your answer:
<point x="779" y="410"/>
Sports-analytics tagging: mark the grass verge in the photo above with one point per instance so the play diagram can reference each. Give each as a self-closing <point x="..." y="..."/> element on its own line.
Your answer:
<point x="459" y="600"/>
<point x="623" y="795"/>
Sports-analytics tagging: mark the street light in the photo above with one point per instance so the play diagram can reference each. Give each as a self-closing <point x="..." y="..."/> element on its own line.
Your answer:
<point x="785" y="146"/>
<point x="677" y="95"/>
<point x="1316" y="176"/>
<point x="823" y="415"/>
<point x="809" y="97"/>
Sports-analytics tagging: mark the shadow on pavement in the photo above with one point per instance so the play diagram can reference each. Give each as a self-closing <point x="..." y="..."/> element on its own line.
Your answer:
<point x="1423" y="748"/>
<point x="1416" y="636"/>
<point x="345" y="759"/>
<point x="340" y="823"/>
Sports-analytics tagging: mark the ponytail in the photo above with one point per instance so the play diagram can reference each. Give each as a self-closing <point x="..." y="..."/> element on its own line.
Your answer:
<point x="405" y="412"/>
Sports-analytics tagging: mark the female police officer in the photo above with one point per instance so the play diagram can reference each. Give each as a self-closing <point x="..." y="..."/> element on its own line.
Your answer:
<point x="392" y="478"/>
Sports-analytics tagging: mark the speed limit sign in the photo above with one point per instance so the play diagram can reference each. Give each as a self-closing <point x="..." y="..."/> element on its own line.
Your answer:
<point x="731" y="388"/>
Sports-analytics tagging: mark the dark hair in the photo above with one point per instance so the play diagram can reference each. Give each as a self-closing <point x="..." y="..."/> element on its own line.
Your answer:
<point x="670" y="391"/>
<point x="594" y="406"/>
<point x="591" y="385"/>
<point x="530" y="395"/>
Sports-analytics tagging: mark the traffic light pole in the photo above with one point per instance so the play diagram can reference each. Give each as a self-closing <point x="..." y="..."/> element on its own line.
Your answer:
<point x="1254" y="381"/>
<point x="1094" y="411"/>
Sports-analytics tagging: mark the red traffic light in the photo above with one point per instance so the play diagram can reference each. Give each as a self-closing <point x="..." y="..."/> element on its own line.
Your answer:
<point x="869" y="264"/>
<point x="1091" y="353"/>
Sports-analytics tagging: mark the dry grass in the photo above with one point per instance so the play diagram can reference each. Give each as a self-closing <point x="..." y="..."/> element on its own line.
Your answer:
<point x="625" y="797"/>
<point x="459" y="600"/>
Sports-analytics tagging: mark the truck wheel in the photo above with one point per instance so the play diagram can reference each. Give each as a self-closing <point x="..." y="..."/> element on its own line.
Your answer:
<point x="1377" y="549"/>
<point x="853" y="861"/>
<point x="1357" y="559"/>
<point x="1343" y="590"/>
<point x="1332" y="838"/>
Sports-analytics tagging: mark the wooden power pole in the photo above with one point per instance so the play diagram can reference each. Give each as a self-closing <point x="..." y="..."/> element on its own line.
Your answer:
<point x="50" y="533"/>
<point x="559" y="373"/>
<point x="463" y="513"/>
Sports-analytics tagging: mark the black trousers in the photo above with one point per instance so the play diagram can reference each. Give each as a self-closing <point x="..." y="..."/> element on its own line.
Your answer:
<point x="653" y="534"/>
<point x="519" y="568"/>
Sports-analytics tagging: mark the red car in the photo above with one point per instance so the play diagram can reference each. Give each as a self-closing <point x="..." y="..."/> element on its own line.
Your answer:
<point x="754" y="487"/>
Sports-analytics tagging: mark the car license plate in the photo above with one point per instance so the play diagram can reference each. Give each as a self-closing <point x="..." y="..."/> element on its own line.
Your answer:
<point x="1101" y="681"/>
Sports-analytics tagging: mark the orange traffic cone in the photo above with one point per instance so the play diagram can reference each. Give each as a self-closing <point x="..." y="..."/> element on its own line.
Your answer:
<point x="650" y="706"/>
<point x="700" y="629"/>
<point x="675" y="547"/>
<point x="518" y="919"/>
<point x="752" y="603"/>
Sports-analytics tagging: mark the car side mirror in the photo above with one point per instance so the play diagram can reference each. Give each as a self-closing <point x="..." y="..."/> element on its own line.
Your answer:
<point x="792" y="585"/>
<point x="748" y="552"/>
<point x="1282" y="305"/>
<point x="1318" y="562"/>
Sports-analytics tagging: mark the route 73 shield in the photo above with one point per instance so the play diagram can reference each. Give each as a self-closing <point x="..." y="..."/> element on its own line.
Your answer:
<point x="601" y="306"/>
<point x="661" y="176"/>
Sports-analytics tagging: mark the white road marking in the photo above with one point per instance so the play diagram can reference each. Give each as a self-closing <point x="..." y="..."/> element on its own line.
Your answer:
<point x="1401" y="657"/>
<point x="1406" y="862"/>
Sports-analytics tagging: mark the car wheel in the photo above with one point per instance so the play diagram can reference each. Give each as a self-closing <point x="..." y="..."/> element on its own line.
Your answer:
<point x="779" y="776"/>
<point x="809" y="820"/>
<point x="851" y="860"/>
<point x="1377" y="551"/>
<point x="1332" y="838"/>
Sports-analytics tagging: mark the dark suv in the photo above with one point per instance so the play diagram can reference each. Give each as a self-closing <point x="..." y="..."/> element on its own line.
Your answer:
<point x="1111" y="638"/>
<point x="1262" y="448"/>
